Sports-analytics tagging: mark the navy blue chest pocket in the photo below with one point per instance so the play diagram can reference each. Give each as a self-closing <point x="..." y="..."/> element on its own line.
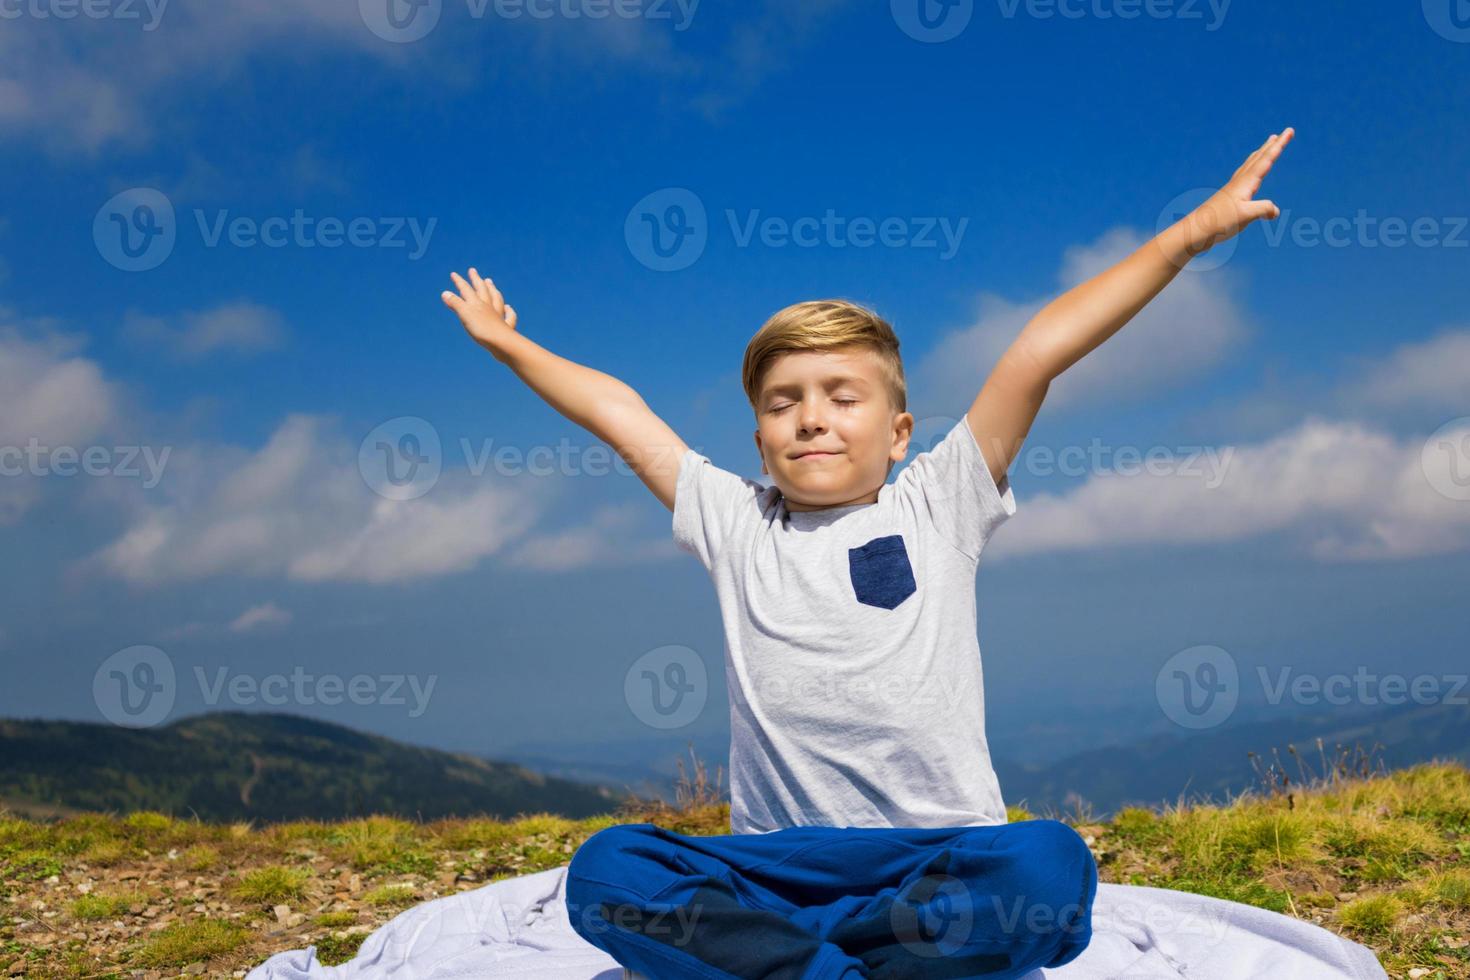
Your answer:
<point x="881" y="573"/>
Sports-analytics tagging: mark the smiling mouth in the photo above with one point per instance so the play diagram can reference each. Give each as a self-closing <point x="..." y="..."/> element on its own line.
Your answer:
<point x="815" y="455"/>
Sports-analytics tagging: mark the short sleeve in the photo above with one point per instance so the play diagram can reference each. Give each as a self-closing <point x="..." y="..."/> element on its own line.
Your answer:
<point x="711" y="505"/>
<point x="951" y="483"/>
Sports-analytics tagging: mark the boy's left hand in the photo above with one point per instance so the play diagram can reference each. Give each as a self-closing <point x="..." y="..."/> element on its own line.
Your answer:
<point x="1231" y="208"/>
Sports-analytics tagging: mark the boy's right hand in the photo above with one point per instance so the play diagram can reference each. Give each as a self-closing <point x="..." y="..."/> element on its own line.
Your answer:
<point x="486" y="316"/>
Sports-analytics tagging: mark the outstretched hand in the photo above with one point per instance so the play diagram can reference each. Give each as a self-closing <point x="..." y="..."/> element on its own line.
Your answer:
<point x="486" y="316"/>
<point x="1233" y="207"/>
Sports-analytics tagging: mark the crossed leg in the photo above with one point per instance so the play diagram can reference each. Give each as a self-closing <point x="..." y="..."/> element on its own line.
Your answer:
<point x="823" y="903"/>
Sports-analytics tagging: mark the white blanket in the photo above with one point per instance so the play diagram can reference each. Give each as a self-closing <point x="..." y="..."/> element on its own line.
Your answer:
<point x="519" y="928"/>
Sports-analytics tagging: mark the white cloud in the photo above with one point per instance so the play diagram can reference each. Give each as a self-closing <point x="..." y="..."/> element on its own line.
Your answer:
<point x="1433" y="373"/>
<point x="50" y="397"/>
<point x="1188" y="329"/>
<point x="85" y="84"/>
<point x="240" y="327"/>
<point x="1416" y="384"/>
<point x="258" y="617"/>
<point x="606" y="540"/>
<point x="298" y="508"/>
<point x="1337" y="491"/>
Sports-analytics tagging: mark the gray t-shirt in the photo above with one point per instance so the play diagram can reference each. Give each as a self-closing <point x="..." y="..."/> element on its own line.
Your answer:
<point x="853" y="661"/>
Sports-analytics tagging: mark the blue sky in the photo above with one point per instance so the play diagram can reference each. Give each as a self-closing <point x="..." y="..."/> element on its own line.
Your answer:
<point x="1335" y="538"/>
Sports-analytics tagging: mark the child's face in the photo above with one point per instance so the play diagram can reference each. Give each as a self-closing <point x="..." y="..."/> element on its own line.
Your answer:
<point x="835" y="402"/>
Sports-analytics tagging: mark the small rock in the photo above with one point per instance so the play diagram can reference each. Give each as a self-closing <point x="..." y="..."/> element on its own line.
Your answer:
<point x="283" y="912"/>
<point x="18" y="967"/>
<point x="85" y="888"/>
<point x="1418" y="972"/>
<point x="194" y="968"/>
<point x="1346" y="896"/>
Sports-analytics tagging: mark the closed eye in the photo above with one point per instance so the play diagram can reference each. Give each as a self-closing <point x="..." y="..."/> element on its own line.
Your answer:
<point x="841" y="401"/>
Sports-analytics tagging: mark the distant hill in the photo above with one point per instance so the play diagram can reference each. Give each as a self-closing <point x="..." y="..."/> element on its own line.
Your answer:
<point x="271" y="767"/>
<point x="1147" y="770"/>
<point x="230" y="766"/>
<point x="1215" y="764"/>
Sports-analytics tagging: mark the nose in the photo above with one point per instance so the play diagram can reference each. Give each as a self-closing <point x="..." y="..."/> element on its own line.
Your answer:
<point x="811" y="418"/>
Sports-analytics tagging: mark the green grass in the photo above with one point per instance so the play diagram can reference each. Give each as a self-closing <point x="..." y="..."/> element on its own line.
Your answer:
<point x="271" y="884"/>
<point x="186" y="942"/>
<point x="99" y="906"/>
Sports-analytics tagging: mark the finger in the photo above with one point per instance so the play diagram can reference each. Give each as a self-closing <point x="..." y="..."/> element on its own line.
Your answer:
<point x="1281" y="142"/>
<point x="479" y="284"/>
<point x="465" y="289"/>
<point x="1278" y="143"/>
<point x="510" y="316"/>
<point x="496" y="299"/>
<point x="450" y="300"/>
<point x="1250" y="161"/>
<point x="1263" y="209"/>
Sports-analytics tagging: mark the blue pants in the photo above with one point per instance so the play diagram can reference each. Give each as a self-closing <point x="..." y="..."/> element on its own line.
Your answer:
<point x="825" y="903"/>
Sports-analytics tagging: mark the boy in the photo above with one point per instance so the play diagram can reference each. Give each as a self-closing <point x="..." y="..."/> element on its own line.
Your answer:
<point x="869" y="837"/>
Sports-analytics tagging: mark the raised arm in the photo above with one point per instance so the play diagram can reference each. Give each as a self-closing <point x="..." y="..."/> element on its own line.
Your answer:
<point x="598" y="402"/>
<point x="1075" y="323"/>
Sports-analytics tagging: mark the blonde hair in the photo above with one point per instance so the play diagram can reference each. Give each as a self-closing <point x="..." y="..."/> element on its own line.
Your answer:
<point x="825" y="325"/>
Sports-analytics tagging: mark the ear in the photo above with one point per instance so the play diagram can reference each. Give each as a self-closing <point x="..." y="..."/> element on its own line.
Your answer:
<point x="903" y="431"/>
<point x="761" y="453"/>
